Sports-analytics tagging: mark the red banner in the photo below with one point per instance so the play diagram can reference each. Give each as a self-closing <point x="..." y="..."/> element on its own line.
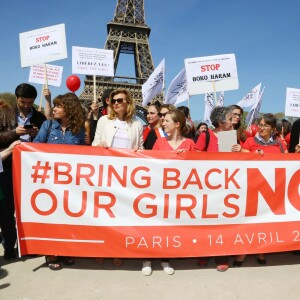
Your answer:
<point x="93" y="202"/>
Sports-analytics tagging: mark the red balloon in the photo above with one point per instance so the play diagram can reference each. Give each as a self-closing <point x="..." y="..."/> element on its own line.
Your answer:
<point x="73" y="83"/>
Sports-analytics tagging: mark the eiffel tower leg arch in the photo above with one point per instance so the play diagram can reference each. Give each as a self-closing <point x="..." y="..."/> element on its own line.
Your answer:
<point x="127" y="33"/>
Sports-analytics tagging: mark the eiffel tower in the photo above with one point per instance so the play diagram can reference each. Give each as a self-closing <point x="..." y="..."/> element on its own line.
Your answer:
<point x="127" y="33"/>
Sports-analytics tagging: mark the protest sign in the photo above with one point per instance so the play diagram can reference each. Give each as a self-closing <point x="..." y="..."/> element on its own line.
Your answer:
<point x="95" y="202"/>
<point x="292" y="102"/>
<point x="226" y="139"/>
<point x="53" y="73"/>
<point x="211" y="74"/>
<point x="43" y="45"/>
<point x="92" y="61"/>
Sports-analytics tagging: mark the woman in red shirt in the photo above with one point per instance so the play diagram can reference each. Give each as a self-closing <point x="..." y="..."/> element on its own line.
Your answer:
<point x="236" y="120"/>
<point x="265" y="141"/>
<point x="174" y="125"/>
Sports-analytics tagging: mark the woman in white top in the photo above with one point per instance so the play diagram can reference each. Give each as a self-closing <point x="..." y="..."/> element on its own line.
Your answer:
<point x="119" y="129"/>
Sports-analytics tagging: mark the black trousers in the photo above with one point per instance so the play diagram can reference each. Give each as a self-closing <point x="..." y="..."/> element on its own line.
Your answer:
<point x="7" y="208"/>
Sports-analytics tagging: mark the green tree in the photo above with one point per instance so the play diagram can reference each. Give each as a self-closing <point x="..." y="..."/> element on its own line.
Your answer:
<point x="9" y="98"/>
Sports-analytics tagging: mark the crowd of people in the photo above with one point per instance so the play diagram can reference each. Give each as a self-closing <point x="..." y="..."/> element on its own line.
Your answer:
<point x="114" y="124"/>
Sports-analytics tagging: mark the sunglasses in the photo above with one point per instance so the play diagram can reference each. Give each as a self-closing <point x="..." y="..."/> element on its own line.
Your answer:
<point x="161" y="115"/>
<point x="118" y="100"/>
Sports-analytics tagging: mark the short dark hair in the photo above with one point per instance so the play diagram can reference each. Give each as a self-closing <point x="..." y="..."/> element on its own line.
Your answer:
<point x="105" y="96"/>
<point x="25" y="90"/>
<point x="202" y="124"/>
<point x="185" y="110"/>
<point x="270" y="119"/>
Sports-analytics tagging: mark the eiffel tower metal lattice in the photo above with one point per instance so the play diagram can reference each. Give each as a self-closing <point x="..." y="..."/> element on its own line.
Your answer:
<point x="127" y="33"/>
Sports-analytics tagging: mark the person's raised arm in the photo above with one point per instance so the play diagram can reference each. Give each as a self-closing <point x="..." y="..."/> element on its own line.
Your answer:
<point x="48" y="107"/>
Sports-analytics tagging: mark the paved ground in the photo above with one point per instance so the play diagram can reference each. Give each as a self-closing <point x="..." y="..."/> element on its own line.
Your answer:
<point x="29" y="279"/>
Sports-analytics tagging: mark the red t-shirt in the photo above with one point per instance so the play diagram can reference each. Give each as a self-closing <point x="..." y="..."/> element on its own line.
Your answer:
<point x="163" y="144"/>
<point x="212" y="145"/>
<point x="252" y="144"/>
<point x="146" y="132"/>
<point x="287" y="139"/>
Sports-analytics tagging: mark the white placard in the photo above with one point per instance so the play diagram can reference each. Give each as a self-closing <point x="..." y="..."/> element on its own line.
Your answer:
<point x="226" y="140"/>
<point x="1" y="166"/>
<point x="92" y="61"/>
<point x="54" y="74"/>
<point x="292" y="102"/>
<point x="43" y="45"/>
<point x="211" y="74"/>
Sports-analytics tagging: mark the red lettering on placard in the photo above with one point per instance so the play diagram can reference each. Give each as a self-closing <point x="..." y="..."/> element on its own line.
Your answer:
<point x="230" y="178"/>
<point x="52" y="197"/>
<point x="112" y="173"/>
<point x="87" y="176"/>
<point x="187" y="208"/>
<point x="100" y="177"/>
<point x="293" y="190"/>
<point x="166" y="206"/>
<point x="258" y="184"/>
<point x="191" y="181"/>
<point x="59" y="171"/>
<point x="83" y="204"/>
<point x="152" y="208"/>
<point x="227" y="203"/>
<point x="207" y="183"/>
<point x="107" y="207"/>
<point x="212" y="67"/>
<point x="205" y="215"/>
<point x="42" y="39"/>
<point x="146" y="179"/>
<point x="167" y="175"/>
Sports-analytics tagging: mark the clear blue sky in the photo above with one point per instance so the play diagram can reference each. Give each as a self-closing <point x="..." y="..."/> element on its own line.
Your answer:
<point x="263" y="34"/>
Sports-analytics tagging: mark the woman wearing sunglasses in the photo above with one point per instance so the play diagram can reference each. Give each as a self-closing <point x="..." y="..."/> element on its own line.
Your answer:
<point x="119" y="129"/>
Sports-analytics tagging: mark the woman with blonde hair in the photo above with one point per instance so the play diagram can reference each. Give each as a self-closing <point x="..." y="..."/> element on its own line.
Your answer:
<point x="119" y="129"/>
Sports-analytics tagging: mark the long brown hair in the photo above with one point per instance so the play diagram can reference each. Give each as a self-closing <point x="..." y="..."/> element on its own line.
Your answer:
<point x="72" y="106"/>
<point x="178" y="116"/>
<point x="240" y="132"/>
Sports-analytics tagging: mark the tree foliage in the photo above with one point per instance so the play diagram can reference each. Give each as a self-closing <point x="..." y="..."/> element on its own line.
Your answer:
<point x="9" y="98"/>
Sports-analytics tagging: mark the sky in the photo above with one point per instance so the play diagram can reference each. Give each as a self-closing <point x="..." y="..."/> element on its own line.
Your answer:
<point x="263" y="35"/>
